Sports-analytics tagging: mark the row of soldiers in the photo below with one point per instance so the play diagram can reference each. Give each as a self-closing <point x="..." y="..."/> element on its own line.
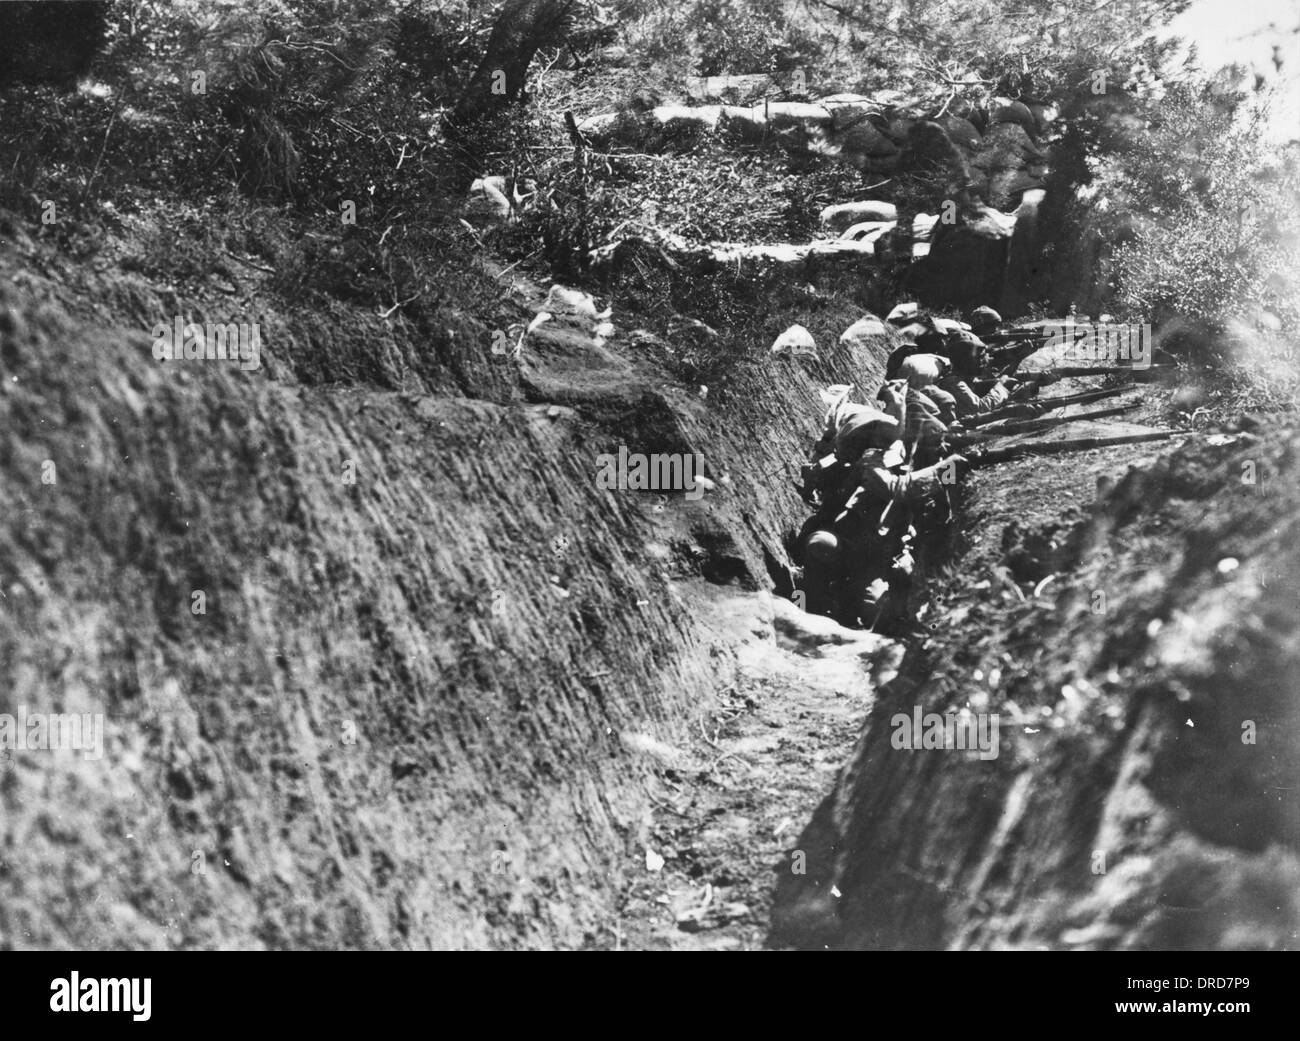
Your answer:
<point x="876" y="468"/>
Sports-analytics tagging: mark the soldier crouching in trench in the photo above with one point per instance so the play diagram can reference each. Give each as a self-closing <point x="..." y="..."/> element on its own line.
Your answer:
<point x="856" y="550"/>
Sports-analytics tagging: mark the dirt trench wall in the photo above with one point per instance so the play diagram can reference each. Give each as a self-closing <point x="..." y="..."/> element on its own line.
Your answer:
<point x="379" y="664"/>
<point x="428" y="642"/>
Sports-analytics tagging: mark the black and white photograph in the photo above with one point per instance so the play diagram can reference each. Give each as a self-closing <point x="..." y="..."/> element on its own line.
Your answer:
<point x="651" y="475"/>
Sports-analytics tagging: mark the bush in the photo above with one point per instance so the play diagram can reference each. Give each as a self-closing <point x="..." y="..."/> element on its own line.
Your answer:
<point x="749" y="36"/>
<point x="1215" y="235"/>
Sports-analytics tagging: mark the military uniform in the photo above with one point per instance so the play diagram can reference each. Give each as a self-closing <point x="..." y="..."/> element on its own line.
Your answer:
<point x="856" y="550"/>
<point x="923" y="371"/>
<point x="859" y="563"/>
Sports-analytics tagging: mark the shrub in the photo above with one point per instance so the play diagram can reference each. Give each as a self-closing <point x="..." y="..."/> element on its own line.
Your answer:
<point x="1215" y="232"/>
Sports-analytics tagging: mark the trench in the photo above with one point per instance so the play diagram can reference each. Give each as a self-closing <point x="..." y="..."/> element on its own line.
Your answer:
<point x="727" y="858"/>
<point x="849" y="845"/>
<point x="711" y="865"/>
<point x="471" y="699"/>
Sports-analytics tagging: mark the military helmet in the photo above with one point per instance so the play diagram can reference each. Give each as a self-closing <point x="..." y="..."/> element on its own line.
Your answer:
<point x="983" y="320"/>
<point x="967" y="353"/>
<point x="921" y="370"/>
<point x="821" y="547"/>
<point x="903" y="313"/>
<point x="862" y="427"/>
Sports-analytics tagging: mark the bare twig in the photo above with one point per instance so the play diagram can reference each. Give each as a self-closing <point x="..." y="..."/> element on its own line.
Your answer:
<point x="260" y="267"/>
<point x="401" y="303"/>
<point x="944" y="76"/>
<point x="346" y="126"/>
<point x="470" y="228"/>
<point x="309" y="46"/>
<point x="117" y="107"/>
<point x="725" y="753"/>
<point x="858" y="18"/>
<point x="506" y="270"/>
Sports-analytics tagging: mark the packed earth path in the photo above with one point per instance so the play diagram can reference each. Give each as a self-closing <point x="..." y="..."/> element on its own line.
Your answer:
<point x="728" y="805"/>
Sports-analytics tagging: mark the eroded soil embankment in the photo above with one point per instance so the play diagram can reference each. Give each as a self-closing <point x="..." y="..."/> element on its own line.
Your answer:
<point x="1143" y="658"/>
<point x="412" y="704"/>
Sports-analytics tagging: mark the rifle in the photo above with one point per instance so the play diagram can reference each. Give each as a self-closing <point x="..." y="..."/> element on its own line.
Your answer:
<point x="1017" y="336"/>
<point x="979" y="456"/>
<point x="1034" y="425"/>
<point x="1005" y="362"/>
<point x="1036" y="407"/>
<point x="1067" y="371"/>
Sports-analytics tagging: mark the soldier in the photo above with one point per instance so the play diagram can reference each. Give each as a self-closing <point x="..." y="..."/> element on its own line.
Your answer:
<point x="856" y="550"/>
<point x="944" y="403"/>
<point x="923" y="417"/>
<point x="847" y="430"/>
<point x="983" y="321"/>
<point x="925" y="428"/>
<point x="925" y="370"/>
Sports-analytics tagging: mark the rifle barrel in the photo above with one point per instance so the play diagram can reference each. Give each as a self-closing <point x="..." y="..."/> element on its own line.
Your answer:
<point x="1083" y="444"/>
<point x="1018" y="336"/>
<point x="1062" y="371"/>
<point x="1046" y="404"/>
<point x="1061" y="400"/>
<point x="1046" y="423"/>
